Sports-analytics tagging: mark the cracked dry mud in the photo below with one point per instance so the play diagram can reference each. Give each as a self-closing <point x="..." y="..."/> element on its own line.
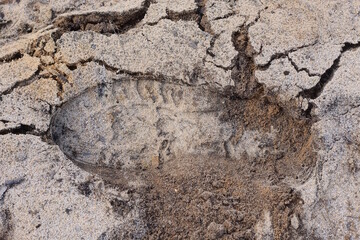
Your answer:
<point x="196" y="119"/>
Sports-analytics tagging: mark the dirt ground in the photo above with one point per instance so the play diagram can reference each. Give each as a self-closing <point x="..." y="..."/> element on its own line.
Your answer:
<point x="202" y="120"/>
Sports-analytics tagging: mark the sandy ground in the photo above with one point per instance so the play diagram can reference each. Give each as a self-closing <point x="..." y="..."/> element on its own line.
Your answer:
<point x="158" y="119"/>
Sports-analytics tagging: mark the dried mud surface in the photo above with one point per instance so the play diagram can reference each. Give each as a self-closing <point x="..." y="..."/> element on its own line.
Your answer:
<point x="162" y="119"/>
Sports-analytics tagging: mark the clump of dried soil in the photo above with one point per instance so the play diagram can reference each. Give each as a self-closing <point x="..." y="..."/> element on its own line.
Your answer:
<point x="214" y="198"/>
<point x="291" y="153"/>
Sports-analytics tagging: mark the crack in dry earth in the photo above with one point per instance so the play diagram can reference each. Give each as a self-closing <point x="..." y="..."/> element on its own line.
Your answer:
<point x="326" y="77"/>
